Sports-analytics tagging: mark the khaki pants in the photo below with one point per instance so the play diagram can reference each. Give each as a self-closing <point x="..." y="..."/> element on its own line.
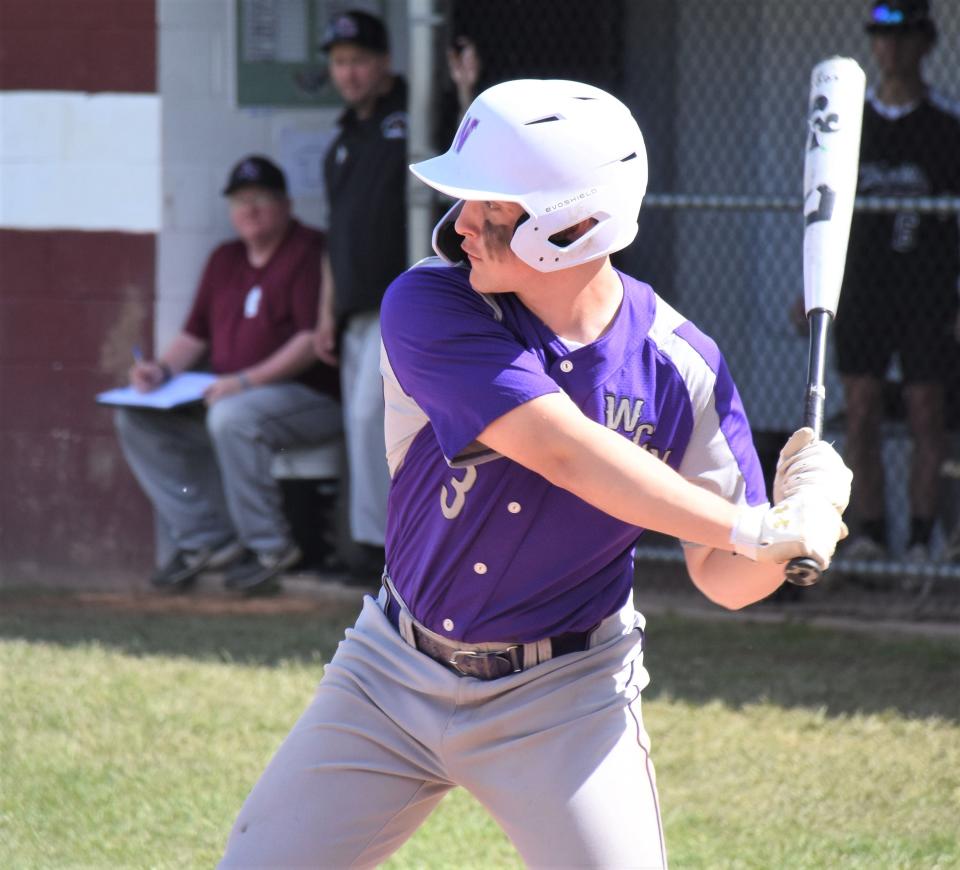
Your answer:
<point x="557" y="754"/>
<point x="208" y="474"/>
<point x="361" y="389"/>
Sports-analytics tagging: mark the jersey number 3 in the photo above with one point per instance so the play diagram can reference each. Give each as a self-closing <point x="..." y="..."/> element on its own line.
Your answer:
<point x="451" y="509"/>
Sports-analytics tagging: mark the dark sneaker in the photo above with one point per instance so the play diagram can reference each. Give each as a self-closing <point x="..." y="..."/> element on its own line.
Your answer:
<point x="224" y="555"/>
<point x="952" y="551"/>
<point x="183" y="566"/>
<point x="863" y="548"/>
<point x="257" y="572"/>
<point x="916" y="557"/>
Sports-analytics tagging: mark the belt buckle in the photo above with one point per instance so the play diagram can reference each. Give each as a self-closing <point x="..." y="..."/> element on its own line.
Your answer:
<point x="508" y="655"/>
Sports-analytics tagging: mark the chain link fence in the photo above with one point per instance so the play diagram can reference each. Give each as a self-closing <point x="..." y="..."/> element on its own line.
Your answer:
<point x="720" y="91"/>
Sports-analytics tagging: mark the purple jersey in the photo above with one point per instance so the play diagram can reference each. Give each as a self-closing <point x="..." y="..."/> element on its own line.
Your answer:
<point x="481" y="548"/>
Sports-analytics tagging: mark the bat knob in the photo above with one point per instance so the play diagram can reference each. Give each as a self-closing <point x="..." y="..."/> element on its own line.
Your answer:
<point x="803" y="571"/>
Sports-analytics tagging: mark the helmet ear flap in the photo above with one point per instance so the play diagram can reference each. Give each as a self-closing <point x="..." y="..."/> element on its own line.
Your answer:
<point x="446" y="240"/>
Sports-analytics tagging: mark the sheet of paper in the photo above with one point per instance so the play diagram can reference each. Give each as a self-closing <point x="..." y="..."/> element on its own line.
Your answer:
<point x="275" y="31"/>
<point x="180" y="390"/>
<point x="301" y="155"/>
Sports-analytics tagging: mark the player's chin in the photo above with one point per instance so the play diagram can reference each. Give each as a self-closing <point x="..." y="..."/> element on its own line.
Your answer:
<point x="478" y="284"/>
<point x="482" y="279"/>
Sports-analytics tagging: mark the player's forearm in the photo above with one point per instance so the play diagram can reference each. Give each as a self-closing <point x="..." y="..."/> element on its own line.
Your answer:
<point x="730" y="580"/>
<point x="285" y="363"/>
<point x="627" y="482"/>
<point x="550" y="436"/>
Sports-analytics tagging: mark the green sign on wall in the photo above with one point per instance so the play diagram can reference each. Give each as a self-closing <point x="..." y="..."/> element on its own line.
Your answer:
<point x="280" y="61"/>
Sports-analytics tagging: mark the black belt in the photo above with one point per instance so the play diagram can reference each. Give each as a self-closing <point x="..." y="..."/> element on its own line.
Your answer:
<point x="483" y="664"/>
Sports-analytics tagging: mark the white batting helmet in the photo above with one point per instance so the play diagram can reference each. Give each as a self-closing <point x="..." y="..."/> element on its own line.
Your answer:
<point x="564" y="151"/>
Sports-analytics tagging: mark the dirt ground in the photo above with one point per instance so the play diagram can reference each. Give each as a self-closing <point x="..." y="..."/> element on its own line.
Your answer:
<point x="839" y="601"/>
<point x="300" y="593"/>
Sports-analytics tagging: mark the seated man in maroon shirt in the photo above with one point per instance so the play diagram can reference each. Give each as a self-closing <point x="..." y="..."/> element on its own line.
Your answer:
<point x="208" y="475"/>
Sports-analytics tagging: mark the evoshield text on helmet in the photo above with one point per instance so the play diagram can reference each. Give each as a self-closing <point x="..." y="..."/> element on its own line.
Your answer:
<point x="564" y="151"/>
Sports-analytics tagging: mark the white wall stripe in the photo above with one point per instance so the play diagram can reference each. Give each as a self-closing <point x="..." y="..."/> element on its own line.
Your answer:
<point x="80" y="161"/>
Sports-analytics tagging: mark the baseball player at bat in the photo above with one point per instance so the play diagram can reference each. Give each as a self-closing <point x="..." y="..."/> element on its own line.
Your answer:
<point x="542" y="409"/>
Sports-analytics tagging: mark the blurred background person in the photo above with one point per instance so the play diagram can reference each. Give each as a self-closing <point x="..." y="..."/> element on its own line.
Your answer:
<point x="900" y="289"/>
<point x="208" y="474"/>
<point x="467" y="76"/>
<point x="365" y="173"/>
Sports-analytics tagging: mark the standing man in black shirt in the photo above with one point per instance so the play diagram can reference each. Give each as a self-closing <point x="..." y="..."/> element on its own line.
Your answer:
<point x="365" y="174"/>
<point x="900" y="289"/>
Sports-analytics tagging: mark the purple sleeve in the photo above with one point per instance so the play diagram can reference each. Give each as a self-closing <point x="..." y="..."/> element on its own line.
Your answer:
<point x="451" y="355"/>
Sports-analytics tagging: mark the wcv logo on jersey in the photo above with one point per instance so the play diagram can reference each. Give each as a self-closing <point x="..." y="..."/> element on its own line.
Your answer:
<point x="622" y="414"/>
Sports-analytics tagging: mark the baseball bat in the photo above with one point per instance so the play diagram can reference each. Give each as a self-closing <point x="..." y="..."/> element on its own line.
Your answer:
<point x="834" y="118"/>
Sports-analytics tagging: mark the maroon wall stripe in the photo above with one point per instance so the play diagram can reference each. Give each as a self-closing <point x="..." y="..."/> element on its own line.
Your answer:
<point x="78" y="45"/>
<point x="72" y="305"/>
<point x="71" y="514"/>
<point x="73" y="264"/>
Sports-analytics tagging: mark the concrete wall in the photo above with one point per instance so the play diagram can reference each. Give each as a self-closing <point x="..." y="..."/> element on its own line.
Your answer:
<point x="118" y="124"/>
<point x="79" y="209"/>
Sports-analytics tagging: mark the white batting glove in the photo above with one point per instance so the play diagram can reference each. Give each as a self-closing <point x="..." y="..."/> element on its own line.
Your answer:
<point x="805" y="524"/>
<point x="807" y="463"/>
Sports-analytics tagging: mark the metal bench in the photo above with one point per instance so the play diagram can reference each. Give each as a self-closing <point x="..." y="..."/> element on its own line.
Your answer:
<point x="311" y="479"/>
<point x="317" y="462"/>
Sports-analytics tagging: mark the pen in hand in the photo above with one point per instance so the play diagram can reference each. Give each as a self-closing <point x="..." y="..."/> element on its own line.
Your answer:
<point x="144" y="376"/>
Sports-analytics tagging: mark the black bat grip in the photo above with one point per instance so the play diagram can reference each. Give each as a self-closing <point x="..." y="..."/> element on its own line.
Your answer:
<point x="804" y="571"/>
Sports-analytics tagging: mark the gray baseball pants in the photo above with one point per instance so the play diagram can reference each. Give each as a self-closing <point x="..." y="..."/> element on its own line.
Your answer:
<point x="557" y="754"/>
<point x="361" y="389"/>
<point x="208" y="476"/>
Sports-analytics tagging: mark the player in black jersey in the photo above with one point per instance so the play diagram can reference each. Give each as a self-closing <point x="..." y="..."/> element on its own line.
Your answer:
<point x="900" y="289"/>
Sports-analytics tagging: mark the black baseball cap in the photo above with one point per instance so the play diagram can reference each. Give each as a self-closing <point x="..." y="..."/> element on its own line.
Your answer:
<point x="900" y="16"/>
<point x="357" y="28"/>
<point x="256" y="171"/>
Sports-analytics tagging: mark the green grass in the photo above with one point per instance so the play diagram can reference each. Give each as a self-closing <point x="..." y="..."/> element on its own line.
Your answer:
<point x="130" y="740"/>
